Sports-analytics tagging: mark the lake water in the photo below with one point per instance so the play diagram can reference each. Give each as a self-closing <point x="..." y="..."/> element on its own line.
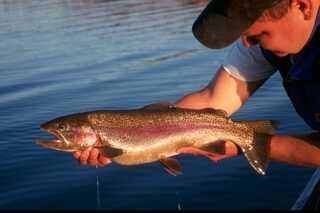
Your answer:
<point x="65" y="56"/>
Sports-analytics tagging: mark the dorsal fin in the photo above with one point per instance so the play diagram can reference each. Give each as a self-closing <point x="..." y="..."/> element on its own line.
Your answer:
<point x="219" y="112"/>
<point x="159" y="106"/>
<point x="262" y="126"/>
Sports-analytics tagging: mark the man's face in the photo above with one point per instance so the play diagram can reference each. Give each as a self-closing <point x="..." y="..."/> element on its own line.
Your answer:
<point x="283" y="36"/>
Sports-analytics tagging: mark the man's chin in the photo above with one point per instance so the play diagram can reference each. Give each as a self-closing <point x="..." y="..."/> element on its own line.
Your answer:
<point x="280" y="54"/>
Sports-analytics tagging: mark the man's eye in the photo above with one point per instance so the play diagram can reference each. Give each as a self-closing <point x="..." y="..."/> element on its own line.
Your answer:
<point x="253" y="40"/>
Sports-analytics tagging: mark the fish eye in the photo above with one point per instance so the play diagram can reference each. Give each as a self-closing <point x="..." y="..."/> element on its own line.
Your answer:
<point x="61" y="127"/>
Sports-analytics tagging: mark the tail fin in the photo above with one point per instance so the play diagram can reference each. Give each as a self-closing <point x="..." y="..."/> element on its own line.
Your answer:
<point x="258" y="152"/>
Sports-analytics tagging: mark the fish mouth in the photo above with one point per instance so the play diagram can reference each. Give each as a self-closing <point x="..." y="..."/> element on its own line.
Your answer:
<point x="59" y="143"/>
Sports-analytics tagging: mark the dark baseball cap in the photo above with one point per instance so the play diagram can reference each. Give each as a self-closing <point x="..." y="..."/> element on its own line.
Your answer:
<point x="223" y="21"/>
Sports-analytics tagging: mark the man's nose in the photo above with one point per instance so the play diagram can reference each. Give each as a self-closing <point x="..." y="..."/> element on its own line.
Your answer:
<point x="249" y="41"/>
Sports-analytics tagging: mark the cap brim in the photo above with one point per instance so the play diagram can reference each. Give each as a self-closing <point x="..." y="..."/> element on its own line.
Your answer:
<point x="218" y="27"/>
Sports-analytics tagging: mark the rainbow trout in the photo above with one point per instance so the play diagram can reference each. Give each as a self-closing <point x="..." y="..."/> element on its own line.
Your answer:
<point x="155" y="133"/>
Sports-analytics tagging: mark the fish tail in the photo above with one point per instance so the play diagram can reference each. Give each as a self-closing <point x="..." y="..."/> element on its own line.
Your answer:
<point x="257" y="152"/>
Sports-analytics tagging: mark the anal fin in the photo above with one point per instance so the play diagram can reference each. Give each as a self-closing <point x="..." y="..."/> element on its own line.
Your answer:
<point x="171" y="165"/>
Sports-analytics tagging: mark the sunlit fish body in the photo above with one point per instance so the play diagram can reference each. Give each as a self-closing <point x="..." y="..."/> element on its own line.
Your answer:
<point x="155" y="133"/>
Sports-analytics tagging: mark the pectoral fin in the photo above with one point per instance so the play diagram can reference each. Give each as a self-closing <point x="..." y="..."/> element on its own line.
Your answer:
<point x="111" y="152"/>
<point x="171" y="165"/>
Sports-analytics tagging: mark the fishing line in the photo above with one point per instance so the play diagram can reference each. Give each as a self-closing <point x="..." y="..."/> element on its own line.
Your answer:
<point x="178" y="197"/>
<point x="179" y="207"/>
<point x="98" y="189"/>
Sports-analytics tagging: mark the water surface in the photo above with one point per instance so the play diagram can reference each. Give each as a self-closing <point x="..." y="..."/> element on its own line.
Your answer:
<point x="65" y="56"/>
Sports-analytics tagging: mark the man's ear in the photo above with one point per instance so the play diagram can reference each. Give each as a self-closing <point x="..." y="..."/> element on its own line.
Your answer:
<point x="304" y="6"/>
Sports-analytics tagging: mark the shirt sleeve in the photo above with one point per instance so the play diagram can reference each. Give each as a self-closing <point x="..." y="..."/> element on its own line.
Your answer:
<point x="247" y="64"/>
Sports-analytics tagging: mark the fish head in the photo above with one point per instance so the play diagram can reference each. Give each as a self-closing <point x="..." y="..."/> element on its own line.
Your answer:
<point x="72" y="133"/>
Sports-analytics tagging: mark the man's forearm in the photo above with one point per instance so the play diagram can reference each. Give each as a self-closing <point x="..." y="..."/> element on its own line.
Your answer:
<point x="227" y="93"/>
<point x="195" y="100"/>
<point x="223" y="92"/>
<point x="303" y="150"/>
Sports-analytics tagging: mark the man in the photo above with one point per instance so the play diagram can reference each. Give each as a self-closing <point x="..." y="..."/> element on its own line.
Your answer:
<point x="273" y="35"/>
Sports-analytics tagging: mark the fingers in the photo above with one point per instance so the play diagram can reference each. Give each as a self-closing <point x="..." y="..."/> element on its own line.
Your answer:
<point x="198" y="152"/>
<point x="191" y="150"/>
<point x="77" y="154"/>
<point x="217" y="157"/>
<point x="92" y="157"/>
<point x="84" y="157"/>
<point x="216" y="151"/>
<point x="96" y="158"/>
<point x="103" y="161"/>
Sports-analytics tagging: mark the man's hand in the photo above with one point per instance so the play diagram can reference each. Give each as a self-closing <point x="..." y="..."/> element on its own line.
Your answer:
<point x="219" y="151"/>
<point x="91" y="156"/>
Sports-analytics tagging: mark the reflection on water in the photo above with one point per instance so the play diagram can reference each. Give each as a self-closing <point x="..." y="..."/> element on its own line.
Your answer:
<point x="65" y="56"/>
